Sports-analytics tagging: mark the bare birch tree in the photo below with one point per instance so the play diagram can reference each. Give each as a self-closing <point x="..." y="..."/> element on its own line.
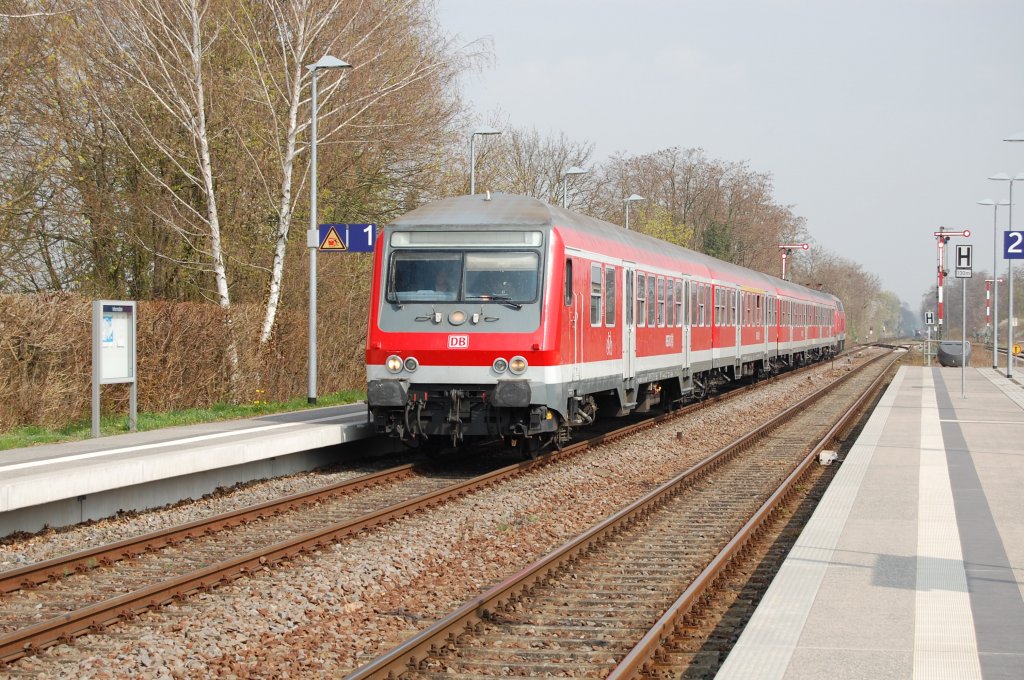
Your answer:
<point x="161" y="49"/>
<point x="379" y="39"/>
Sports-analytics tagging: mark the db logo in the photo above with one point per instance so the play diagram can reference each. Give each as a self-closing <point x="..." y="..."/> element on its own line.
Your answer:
<point x="458" y="341"/>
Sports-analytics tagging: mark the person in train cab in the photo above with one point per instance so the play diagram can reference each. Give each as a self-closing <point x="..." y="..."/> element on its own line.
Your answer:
<point x="446" y="284"/>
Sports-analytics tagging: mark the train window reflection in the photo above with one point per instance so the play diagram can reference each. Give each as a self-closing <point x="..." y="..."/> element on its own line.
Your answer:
<point x="502" y="276"/>
<point x="440" y="276"/>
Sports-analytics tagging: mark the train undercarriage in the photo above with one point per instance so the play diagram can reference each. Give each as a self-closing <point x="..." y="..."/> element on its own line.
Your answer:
<point x="443" y="416"/>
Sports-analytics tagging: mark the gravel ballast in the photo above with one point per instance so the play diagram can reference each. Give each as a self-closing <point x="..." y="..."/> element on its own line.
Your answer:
<point x="326" y="613"/>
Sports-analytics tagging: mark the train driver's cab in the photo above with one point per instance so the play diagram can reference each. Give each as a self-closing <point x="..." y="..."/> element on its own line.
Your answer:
<point x="487" y="275"/>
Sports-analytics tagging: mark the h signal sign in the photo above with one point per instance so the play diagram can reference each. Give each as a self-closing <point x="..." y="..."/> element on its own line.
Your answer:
<point x="964" y="258"/>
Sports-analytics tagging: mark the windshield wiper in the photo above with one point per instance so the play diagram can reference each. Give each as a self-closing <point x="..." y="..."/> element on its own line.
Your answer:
<point x="506" y="300"/>
<point x="394" y="291"/>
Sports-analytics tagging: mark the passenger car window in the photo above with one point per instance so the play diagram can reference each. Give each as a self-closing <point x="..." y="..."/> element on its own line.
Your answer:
<point x="610" y="298"/>
<point x="595" y="295"/>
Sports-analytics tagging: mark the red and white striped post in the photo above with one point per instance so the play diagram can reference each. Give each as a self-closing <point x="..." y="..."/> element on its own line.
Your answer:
<point x="988" y="302"/>
<point x="988" y="306"/>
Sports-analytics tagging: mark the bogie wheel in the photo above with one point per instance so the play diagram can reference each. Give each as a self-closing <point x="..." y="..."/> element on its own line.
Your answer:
<point x="531" y="447"/>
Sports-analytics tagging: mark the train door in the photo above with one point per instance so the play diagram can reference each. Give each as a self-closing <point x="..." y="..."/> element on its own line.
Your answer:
<point x="629" y="323"/>
<point x="741" y="322"/>
<point x="682" y="318"/>
<point x="766" y="301"/>
<point x="735" y="300"/>
<point x="573" y="303"/>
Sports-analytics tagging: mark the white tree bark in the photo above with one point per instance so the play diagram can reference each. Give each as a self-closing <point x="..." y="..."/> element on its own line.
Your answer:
<point x="299" y="27"/>
<point x="160" y="46"/>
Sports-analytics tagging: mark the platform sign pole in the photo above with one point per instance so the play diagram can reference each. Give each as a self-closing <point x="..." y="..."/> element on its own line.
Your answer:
<point x="964" y="265"/>
<point x="1009" y="284"/>
<point x="963" y="341"/>
<point x="928" y="347"/>
<point x="1013" y="249"/>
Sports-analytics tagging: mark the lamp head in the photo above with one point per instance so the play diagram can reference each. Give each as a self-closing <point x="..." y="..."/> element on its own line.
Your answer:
<point x="327" y="61"/>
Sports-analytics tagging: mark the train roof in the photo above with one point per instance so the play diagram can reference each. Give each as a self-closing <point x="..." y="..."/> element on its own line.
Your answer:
<point x="506" y="210"/>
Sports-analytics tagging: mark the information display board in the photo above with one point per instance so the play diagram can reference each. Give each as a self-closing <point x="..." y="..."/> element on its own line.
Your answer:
<point x="117" y="342"/>
<point x="113" y="352"/>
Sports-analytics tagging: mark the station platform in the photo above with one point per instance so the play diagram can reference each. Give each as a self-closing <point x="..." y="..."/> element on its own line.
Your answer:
<point x="60" y="484"/>
<point x="912" y="566"/>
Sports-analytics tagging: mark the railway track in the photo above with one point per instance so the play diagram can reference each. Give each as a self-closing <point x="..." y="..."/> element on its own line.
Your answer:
<point x="606" y="603"/>
<point x="59" y="599"/>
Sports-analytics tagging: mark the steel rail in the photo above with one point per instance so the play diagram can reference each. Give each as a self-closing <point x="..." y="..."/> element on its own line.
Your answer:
<point x="50" y="570"/>
<point x="467" y="618"/>
<point x="637" y="661"/>
<point x="95" y="617"/>
<point x="78" y="562"/>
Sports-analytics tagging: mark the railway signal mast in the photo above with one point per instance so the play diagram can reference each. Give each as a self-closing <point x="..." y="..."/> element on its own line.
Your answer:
<point x="942" y="237"/>
<point x="787" y="250"/>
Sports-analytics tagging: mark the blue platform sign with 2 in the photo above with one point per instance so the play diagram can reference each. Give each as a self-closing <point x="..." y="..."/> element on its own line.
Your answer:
<point x="353" y="238"/>
<point x="1013" y="245"/>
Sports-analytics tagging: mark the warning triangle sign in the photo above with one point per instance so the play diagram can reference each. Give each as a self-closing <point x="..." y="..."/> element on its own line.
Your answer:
<point x="332" y="241"/>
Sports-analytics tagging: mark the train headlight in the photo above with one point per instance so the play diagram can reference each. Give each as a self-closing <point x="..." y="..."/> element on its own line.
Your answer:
<point x="500" y="365"/>
<point x="411" y="364"/>
<point x="393" y="363"/>
<point x="457" y="318"/>
<point x="518" y="365"/>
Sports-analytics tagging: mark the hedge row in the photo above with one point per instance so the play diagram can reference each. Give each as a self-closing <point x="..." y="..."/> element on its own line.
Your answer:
<point x="46" y="357"/>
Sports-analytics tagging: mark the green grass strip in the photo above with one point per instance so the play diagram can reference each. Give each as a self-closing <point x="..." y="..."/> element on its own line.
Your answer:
<point x="118" y="424"/>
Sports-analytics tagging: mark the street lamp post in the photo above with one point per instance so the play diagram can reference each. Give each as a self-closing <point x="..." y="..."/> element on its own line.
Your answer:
<point x="995" y="281"/>
<point x="632" y="199"/>
<point x="312" y="236"/>
<point x="574" y="170"/>
<point x="472" y="155"/>
<point x="1003" y="177"/>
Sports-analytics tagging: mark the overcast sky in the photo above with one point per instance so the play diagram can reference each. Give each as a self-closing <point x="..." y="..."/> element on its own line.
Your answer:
<point x="878" y="119"/>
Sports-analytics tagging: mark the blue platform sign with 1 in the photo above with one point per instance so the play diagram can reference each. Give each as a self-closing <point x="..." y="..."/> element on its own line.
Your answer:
<point x="1013" y="245"/>
<point x="353" y="238"/>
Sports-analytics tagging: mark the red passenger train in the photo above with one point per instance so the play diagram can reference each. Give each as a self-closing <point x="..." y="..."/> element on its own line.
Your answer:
<point x="505" y="316"/>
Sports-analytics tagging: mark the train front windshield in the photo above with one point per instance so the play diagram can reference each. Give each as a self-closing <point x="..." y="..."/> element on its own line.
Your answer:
<point x="460" y="276"/>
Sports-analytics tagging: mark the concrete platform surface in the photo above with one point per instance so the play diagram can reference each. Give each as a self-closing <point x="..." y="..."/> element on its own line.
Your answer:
<point x="59" y="484"/>
<point x="913" y="564"/>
